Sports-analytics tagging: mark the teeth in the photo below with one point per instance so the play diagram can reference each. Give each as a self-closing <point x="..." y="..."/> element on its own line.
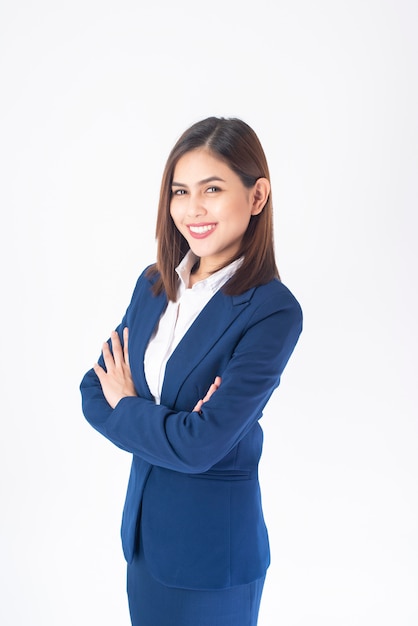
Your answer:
<point x="202" y="229"/>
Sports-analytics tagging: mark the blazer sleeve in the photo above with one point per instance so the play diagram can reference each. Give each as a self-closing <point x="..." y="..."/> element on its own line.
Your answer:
<point x="95" y="407"/>
<point x="192" y="442"/>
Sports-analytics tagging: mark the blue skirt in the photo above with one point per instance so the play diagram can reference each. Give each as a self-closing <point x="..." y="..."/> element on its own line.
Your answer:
<point x="153" y="604"/>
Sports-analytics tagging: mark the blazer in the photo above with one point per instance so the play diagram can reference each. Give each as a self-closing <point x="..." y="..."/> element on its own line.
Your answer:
<point x="193" y="485"/>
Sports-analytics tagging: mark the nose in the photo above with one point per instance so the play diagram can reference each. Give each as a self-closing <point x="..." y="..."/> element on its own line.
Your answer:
<point x="195" y="207"/>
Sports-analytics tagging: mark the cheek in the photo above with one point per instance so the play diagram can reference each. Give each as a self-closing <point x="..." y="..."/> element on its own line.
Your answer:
<point x="240" y="217"/>
<point x="177" y="217"/>
<point x="174" y="213"/>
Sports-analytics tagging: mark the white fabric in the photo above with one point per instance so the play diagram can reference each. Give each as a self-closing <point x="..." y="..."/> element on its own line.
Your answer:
<point x="179" y="316"/>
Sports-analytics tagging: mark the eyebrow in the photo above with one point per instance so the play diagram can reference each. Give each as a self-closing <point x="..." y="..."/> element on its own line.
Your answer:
<point x="201" y="182"/>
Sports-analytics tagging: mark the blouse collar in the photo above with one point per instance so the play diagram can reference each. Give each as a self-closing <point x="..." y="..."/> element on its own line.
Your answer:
<point x="213" y="282"/>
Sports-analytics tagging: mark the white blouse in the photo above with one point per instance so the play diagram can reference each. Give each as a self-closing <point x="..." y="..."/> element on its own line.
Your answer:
<point x="179" y="316"/>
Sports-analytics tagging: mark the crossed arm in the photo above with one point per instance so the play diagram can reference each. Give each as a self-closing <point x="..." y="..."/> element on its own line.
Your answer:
<point x="116" y="380"/>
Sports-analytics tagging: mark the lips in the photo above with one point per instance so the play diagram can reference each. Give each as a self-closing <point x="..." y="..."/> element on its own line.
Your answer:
<point x="199" y="231"/>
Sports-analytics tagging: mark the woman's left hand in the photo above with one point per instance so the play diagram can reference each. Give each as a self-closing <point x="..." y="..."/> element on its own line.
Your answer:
<point x="214" y="387"/>
<point x="117" y="381"/>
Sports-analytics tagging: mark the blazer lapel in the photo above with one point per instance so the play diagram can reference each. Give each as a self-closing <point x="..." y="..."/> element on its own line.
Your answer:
<point x="210" y="324"/>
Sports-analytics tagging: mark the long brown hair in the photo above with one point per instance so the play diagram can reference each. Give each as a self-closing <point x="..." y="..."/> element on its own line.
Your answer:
<point x="235" y="143"/>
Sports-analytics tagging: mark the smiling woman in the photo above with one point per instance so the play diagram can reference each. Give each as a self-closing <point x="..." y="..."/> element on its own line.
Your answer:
<point x="184" y="379"/>
<point x="213" y="218"/>
<point x="232" y="145"/>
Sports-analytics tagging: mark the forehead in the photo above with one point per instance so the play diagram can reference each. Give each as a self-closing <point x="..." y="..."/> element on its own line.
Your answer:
<point x="200" y="164"/>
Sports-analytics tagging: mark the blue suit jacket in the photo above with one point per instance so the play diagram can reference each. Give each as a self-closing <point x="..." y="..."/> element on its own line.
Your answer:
<point x="193" y="483"/>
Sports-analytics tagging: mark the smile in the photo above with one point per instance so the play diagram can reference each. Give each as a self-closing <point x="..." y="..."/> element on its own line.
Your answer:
<point x="201" y="230"/>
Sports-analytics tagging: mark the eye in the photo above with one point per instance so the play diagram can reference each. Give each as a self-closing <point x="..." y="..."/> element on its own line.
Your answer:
<point x="178" y="192"/>
<point x="212" y="189"/>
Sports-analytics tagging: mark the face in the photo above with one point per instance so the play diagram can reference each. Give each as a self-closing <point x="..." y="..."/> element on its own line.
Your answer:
<point x="211" y="207"/>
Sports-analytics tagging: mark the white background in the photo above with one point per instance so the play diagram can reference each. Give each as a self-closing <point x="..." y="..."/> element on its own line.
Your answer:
<point x="93" y="96"/>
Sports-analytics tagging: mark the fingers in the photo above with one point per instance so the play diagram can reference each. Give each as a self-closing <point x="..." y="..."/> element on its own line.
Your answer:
<point x="214" y="386"/>
<point x="198" y="406"/>
<point x="99" y="371"/>
<point x="210" y="392"/>
<point x="117" y="349"/>
<point x="120" y="356"/>
<point x="107" y="356"/>
<point x="125" y="345"/>
<point x="114" y="374"/>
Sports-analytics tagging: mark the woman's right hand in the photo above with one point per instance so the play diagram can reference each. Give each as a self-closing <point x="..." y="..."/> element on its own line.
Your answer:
<point x="214" y="386"/>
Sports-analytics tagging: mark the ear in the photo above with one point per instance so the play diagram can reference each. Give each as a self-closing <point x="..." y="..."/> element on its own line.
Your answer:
<point x="260" y="191"/>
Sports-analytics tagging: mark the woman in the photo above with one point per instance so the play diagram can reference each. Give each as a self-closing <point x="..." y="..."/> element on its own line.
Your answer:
<point x="183" y="381"/>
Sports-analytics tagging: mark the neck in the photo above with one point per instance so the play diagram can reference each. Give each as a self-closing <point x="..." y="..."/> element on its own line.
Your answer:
<point x="198" y="273"/>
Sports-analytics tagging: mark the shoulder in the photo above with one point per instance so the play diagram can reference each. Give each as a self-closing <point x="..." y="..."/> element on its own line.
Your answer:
<point x="275" y="296"/>
<point x="273" y="306"/>
<point x="144" y="283"/>
<point x="147" y="277"/>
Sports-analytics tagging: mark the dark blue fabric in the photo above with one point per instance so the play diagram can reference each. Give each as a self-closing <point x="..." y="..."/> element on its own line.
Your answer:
<point x="194" y="476"/>
<point x="154" y="604"/>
